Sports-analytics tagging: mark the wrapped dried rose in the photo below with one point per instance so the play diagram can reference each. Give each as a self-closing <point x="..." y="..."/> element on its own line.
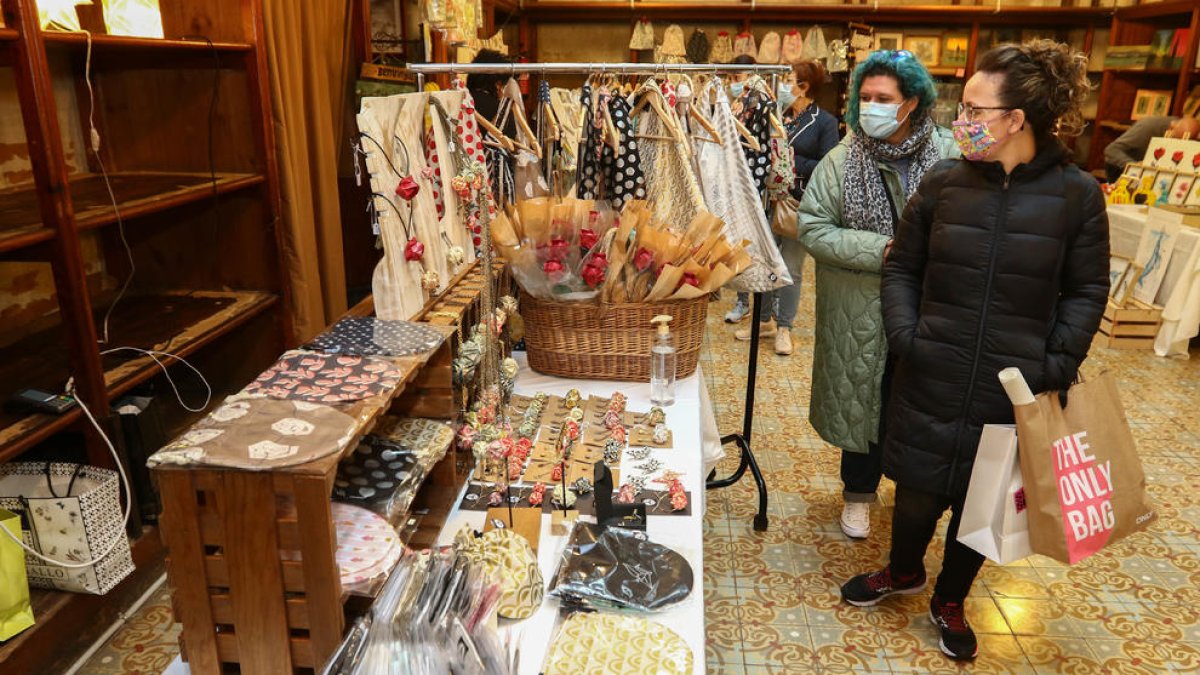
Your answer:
<point x="558" y="248"/>
<point x="588" y="238"/>
<point x="554" y="269"/>
<point x="407" y="188"/>
<point x="643" y="259"/>
<point x="593" y="276"/>
<point x="689" y="279"/>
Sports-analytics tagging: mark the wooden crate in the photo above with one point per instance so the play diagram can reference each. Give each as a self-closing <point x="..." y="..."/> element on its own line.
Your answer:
<point x="1133" y="326"/>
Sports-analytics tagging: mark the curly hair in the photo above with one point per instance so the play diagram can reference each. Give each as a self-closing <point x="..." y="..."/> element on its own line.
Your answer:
<point x="914" y="80"/>
<point x="1047" y="80"/>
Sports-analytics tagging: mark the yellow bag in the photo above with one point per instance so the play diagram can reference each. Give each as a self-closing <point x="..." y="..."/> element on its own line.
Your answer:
<point x="510" y="561"/>
<point x="16" y="614"/>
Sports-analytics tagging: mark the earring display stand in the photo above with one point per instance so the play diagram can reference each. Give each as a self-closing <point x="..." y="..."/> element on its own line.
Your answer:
<point x="742" y="440"/>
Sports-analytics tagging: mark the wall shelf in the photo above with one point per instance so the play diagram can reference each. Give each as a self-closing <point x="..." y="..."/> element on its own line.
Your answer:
<point x="111" y="43"/>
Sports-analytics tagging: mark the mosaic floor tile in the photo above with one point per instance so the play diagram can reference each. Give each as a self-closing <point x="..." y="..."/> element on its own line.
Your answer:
<point x="1036" y="615"/>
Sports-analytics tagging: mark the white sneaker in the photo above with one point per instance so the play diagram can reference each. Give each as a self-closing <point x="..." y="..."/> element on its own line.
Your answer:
<point x="856" y="520"/>
<point x="740" y="311"/>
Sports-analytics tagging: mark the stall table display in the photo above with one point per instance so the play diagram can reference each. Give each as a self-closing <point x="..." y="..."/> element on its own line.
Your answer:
<point x="680" y="624"/>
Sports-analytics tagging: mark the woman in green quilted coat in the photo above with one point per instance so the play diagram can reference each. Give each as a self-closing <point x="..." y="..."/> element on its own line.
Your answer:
<point x="847" y="218"/>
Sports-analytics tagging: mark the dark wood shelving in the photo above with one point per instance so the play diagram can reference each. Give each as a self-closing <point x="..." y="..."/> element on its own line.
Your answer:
<point x="1156" y="10"/>
<point x="915" y="14"/>
<point x="105" y="43"/>
<point x="8" y="34"/>
<point x="138" y="193"/>
<point x="1144" y="71"/>
<point x="178" y="323"/>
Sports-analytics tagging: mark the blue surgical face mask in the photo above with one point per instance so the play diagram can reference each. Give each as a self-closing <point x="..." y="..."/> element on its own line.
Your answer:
<point x="878" y="120"/>
<point x="785" y="96"/>
<point x="736" y="88"/>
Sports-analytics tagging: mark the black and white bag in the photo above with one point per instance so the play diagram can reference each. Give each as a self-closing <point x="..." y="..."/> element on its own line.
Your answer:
<point x="69" y="513"/>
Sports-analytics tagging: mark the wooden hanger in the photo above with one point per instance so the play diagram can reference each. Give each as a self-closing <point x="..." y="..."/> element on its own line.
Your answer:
<point x="651" y="95"/>
<point x="505" y="142"/>
<point x="518" y="112"/>
<point x="695" y="114"/>
<point x="749" y="138"/>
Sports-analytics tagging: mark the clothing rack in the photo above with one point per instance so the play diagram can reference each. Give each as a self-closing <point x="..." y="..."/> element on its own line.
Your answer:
<point x="741" y="439"/>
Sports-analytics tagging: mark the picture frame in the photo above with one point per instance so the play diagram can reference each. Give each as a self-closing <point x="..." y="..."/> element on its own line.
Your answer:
<point x="1193" y="198"/>
<point x="1134" y="170"/>
<point x="1150" y="103"/>
<point x="954" y="50"/>
<point x="1118" y="269"/>
<point x="1181" y="188"/>
<point x="1163" y="182"/>
<point x="927" y="49"/>
<point x="889" y="41"/>
<point x="1124" y="291"/>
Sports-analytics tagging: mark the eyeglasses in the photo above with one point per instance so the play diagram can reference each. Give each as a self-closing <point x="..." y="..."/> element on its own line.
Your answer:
<point x="970" y="113"/>
<point x="899" y="54"/>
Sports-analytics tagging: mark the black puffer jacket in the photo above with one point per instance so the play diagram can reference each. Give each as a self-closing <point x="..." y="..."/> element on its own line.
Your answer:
<point x="986" y="272"/>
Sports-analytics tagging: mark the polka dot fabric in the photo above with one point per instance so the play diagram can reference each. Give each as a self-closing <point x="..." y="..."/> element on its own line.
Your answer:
<point x="369" y="336"/>
<point x="604" y="174"/>
<point x="755" y="116"/>
<point x="434" y="163"/>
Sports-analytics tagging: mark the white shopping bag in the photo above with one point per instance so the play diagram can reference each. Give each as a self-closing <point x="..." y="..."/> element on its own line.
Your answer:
<point x="994" y="520"/>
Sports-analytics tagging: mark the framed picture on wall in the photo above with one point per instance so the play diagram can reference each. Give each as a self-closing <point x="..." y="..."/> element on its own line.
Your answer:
<point x="927" y="48"/>
<point x="1150" y="103"/>
<point x="889" y="41"/>
<point x="1181" y="188"/>
<point x="954" y="50"/>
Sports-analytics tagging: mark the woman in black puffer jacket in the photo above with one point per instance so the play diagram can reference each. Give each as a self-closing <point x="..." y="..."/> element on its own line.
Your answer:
<point x="1000" y="260"/>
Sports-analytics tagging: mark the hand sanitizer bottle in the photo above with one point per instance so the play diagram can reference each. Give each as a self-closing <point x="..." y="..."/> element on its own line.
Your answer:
<point x="662" y="363"/>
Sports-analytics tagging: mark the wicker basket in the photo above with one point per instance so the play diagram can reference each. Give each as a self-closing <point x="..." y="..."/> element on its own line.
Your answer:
<point x="585" y="341"/>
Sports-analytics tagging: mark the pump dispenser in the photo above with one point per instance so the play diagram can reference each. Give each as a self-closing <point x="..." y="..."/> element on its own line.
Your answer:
<point x="662" y="363"/>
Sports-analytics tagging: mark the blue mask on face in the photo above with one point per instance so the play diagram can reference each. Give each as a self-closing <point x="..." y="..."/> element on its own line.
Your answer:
<point x="785" y="96"/>
<point x="736" y="88"/>
<point x="878" y="120"/>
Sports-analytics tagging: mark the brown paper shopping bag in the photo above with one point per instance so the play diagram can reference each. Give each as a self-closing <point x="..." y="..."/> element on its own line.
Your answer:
<point x="1083" y="478"/>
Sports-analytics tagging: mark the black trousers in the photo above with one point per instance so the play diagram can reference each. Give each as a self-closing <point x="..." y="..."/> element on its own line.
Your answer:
<point x="861" y="472"/>
<point x="913" y="524"/>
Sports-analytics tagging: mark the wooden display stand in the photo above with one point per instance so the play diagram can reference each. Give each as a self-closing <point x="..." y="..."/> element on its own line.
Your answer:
<point x="1131" y="327"/>
<point x="251" y="553"/>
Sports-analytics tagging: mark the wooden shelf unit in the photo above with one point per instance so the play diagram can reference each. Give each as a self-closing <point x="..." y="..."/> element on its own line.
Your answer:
<point x="187" y="145"/>
<point x="240" y="600"/>
<point x="1118" y="86"/>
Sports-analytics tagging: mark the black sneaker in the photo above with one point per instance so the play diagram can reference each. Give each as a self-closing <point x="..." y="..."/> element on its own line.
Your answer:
<point x="865" y="590"/>
<point x="958" y="640"/>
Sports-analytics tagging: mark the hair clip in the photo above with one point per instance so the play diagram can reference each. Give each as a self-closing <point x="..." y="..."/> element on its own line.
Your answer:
<point x="612" y="452"/>
<point x="656" y="416"/>
<point x="661" y="433"/>
<point x="649" y="466"/>
<point x="563" y="497"/>
<point x="582" y="485"/>
<point x="639" y="454"/>
<point x="539" y="492"/>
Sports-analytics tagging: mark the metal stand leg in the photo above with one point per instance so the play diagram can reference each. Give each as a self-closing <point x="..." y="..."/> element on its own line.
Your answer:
<point x="742" y="440"/>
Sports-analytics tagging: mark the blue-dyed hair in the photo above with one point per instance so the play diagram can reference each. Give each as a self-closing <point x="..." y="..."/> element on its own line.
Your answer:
<point x="915" y="82"/>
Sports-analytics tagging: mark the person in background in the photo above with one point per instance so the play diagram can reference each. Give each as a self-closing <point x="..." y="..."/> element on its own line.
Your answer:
<point x="999" y="261"/>
<point x="737" y="84"/>
<point x="847" y="217"/>
<point x="1131" y="145"/>
<point x="486" y="88"/>
<point x="812" y="132"/>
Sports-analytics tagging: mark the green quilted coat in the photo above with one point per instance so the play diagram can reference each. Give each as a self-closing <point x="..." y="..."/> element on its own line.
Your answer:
<point x="851" y="349"/>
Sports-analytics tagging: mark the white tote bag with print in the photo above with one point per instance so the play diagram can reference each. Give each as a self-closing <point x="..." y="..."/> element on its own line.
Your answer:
<point x="994" y="520"/>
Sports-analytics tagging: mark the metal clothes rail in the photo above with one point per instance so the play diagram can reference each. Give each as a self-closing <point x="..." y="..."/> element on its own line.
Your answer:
<point x="583" y="68"/>
<point x="742" y="438"/>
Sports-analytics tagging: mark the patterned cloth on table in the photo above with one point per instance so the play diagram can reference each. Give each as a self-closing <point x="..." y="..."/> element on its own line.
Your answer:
<point x="261" y="434"/>
<point x="371" y="336"/>
<point x="326" y="378"/>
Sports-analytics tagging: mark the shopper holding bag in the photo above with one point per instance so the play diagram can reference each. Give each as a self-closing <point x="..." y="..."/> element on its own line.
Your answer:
<point x="847" y="219"/>
<point x="1000" y="260"/>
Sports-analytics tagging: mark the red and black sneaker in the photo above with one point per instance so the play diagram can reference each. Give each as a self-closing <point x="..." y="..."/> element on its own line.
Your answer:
<point x="958" y="640"/>
<point x="865" y="590"/>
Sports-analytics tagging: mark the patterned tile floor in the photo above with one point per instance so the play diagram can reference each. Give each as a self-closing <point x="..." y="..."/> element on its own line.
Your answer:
<point x="772" y="602"/>
<point x="772" y="598"/>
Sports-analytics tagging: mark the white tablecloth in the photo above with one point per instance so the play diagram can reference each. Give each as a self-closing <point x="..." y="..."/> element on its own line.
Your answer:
<point x="693" y="427"/>
<point x="1179" y="294"/>
<point x="687" y="419"/>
